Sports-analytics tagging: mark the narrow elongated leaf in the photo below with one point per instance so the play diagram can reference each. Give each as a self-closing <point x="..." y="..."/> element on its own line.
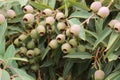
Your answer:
<point x="79" y="55"/>
<point x="2" y="46"/>
<point x="112" y="57"/>
<point x="39" y="6"/>
<point x="102" y="36"/>
<point x="78" y="5"/>
<point x="80" y="14"/>
<point x="3" y="28"/>
<point x="52" y="3"/>
<point x="112" y="39"/>
<point x="45" y="52"/>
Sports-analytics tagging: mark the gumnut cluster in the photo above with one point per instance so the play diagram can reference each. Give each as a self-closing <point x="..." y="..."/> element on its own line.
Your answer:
<point x="100" y="10"/>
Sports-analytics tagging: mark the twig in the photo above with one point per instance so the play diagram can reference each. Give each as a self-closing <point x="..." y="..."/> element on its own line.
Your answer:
<point x="39" y="75"/>
<point x="110" y="3"/>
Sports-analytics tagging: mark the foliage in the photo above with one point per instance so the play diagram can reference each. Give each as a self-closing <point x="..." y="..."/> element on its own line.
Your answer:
<point x="27" y="54"/>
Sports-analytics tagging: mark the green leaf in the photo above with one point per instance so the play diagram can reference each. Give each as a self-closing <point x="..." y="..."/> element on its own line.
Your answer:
<point x="45" y="52"/>
<point x="39" y="6"/>
<point x="3" y="28"/>
<point x="112" y="39"/>
<point x="78" y="5"/>
<point x="23" y="2"/>
<point x="5" y="75"/>
<point x="102" y="36"/>
<point x="10" y="52"/>
<point x="82" y="33"/>
<point x="112" y="57"/>
<point x="80" y="14"/>
<point x="79" y="55"/>
<point x="68" y="65"/>
<point x="52" y="3"/>
<point x="66" y="7"/>
<point x="112" y="76"/>
<point x="23" y="75"/>
<point x="2" y="46"/>
<point x="20" y="59"/>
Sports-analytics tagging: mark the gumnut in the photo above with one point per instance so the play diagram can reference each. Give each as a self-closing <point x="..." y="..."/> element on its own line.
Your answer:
<point x="49" y="20"/>
<point x="103" y="12"/>
<point x="60" y="16"/>
<point x="28" y="9"/>
<point x="95" y="6"/>
<point x="31" y="44"/>
<point x="30" y="53"/>
<point x="117" y="27"/>
<point x="41" y="30"/>
<point x="66" y="48"/>
<point x="34" y="34"/>
<point x="75" y="30"/>
<point x="61" y="26"/>
<point x="28" y="18"/>
<point x="11" y="13"/>
<point x="112" y="23"/>
<point x="60" y="38"/>
<point x="73" y="42"/>
<point x="23" y="50"/>
<point x="22" y="37"/>
<point x="37" y="51"/>
<point x="99" y="75"/>
<point x="47" y="12"/>
<point x="53" y="44"/>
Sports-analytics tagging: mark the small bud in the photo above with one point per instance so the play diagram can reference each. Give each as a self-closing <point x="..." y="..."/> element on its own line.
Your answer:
<point x="117" y="27"/>
<point x="53" y="44"/>
<point x="99" y="75"/>
<point x="34" y="67"/>
<point x="47" y="12"/>
<point x="17" y="43"/>
<point x="50" y="20"/>
<point x="2" y="18"/>
<point x="75" y="30"/>
<point x="11" y="13"/>
<point x="41" y="30"/>
<point x="112" y="23"/>
<point x="73" y="42"/>
<point x="31" y="44"/>
<point x="81" y="48"/>
<point x="23" y="50"/>
<point x="60" y="16"/>
<point x="103" y="12"/>
<point x="60" y="38"/>
<point x="37" y="51"/>
<point x="30" y="53"/>
<point x="95" y="6"/>
<point x="67" y="32"/>
<point x="28" y="18"/>
<point x="34" y="34"/>
<point x="22" y="37"/>
<point x="28" y="9"/>
<point x="61" y="26"/>
<point x="66" y="48"/>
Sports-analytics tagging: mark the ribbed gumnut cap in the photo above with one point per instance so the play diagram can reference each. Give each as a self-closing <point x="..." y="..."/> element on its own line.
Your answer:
<point x="103" y="12"/>
<point x="23" y="50"/>
<point x="95" y="6"/>
<point x="99" y="75"/>
<point x="53" y="44"/>
<point x="60" y="38"/>
<point x="66" y="48"/>
<point x="22" y="37"/>
<point x="117" y="27"/>
<point x="11" y="13"/>
<point x="41" y="30"/>
<point x="47" y="12"/>
<point x="2" y="18"/>
<point x="60" y="16"/>
<point x="28" y="9"/>
<point x="75" y="30"/>
<point x="112" y="23"/>
<point x="28" y="18"/>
